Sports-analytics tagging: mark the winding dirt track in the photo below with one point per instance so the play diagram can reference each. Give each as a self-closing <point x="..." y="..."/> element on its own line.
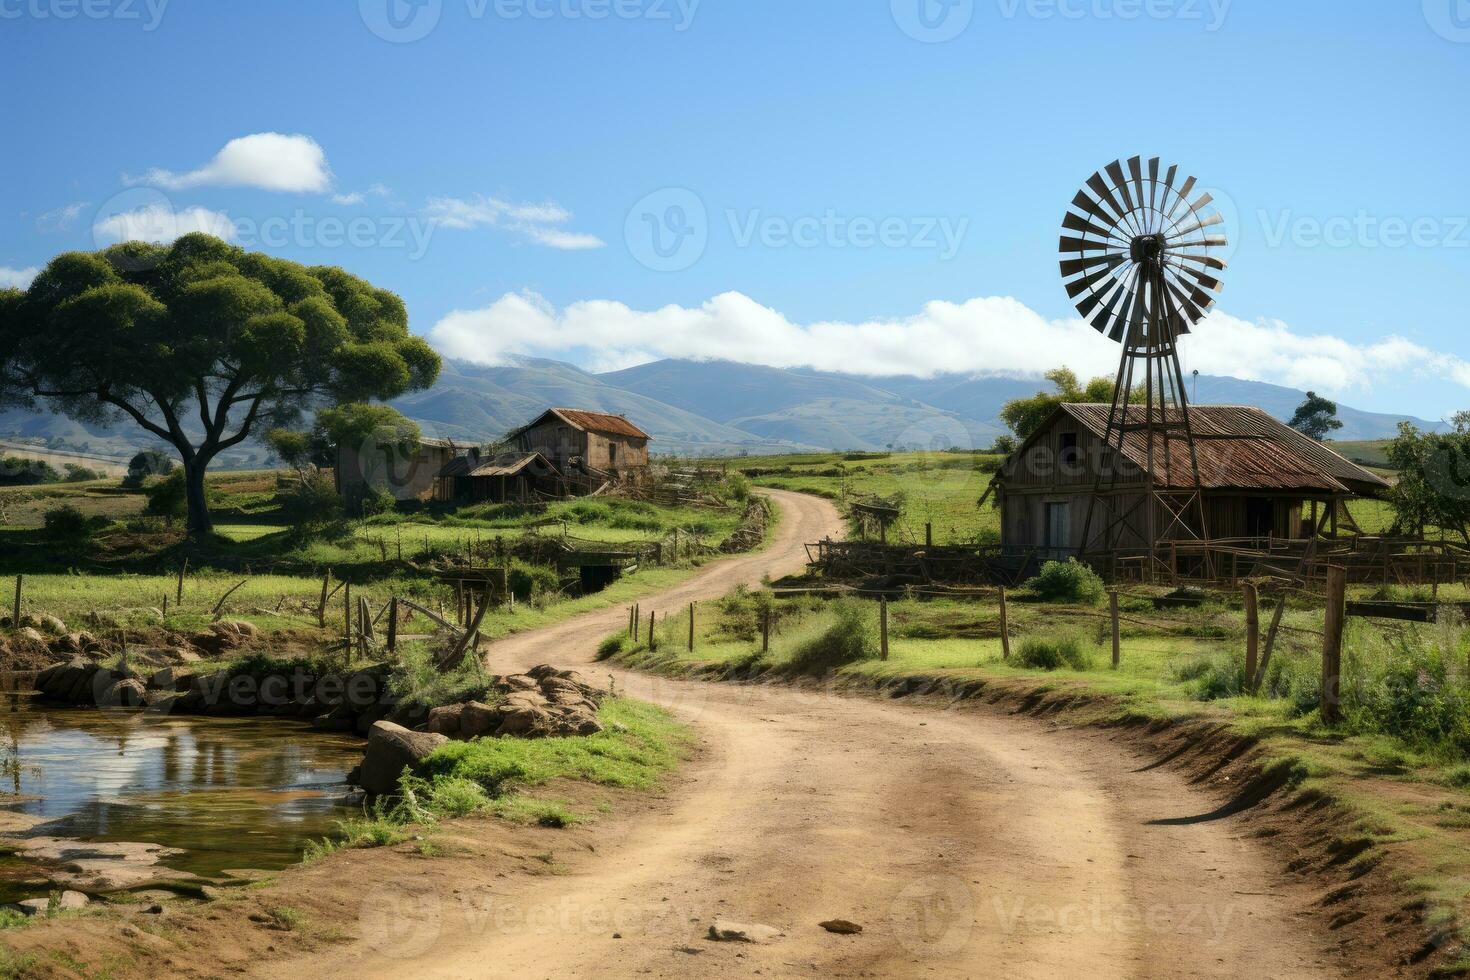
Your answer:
<point x="967" y="844"/>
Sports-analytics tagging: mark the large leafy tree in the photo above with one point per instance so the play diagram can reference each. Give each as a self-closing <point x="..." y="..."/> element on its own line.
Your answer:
<point x="1316" y="417"/>
<point x="203" y="344"/>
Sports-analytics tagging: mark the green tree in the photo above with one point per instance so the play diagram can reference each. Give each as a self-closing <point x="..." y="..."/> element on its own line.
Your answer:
<point x="149" y="462"/>
<point x="1316" y="417"/>
<point x="203" y="344"/>
<point x="1433" y="486"/>
<point x="1025" y="415"/>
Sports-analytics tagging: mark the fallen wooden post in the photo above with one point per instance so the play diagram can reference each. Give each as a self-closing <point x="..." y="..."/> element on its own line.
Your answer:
<point x="220" y="605"/>
<point x="456" y="656"/>
<point x="1270" y="644"/>
<point x="1331" y="708"/>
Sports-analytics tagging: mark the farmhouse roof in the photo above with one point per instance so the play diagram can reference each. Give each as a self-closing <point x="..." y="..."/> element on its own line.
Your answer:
<point x="600" y="422"/>
<point x="1239" y="447"/>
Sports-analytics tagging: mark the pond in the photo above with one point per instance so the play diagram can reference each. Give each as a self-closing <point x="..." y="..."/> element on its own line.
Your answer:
<point x="228" y="793"/>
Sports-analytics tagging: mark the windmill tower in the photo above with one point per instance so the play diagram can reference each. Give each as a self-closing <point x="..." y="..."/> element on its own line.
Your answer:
<point x="1137" y="261"/>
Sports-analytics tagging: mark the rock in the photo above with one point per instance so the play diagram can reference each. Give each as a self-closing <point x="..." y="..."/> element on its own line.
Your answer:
<point x="841" y="927"/>
<point x="446" y="720"/>
<point x="127" y="692"/>
<point x="223" y="636"/>
<point x="725" y="931"/>
<point x="99" y="867"/>
<point x="79" y="642"/>
<point x="30" y="636"/>
<point x="581" y="722"/>
<point x="390" y="749"/>
<point x="50" y="624"/>
<point x="477" y="720"/>
<point x="174" y="678"/>
<point x="524" y="721"/>
<point x="517" y="682"/>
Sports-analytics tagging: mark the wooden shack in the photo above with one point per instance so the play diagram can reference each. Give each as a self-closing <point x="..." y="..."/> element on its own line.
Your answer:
<point x="478" y="476"/>
<point x="1259" y="479"/>
<point x="587" y="448"/>
<point x="411" y="474"/>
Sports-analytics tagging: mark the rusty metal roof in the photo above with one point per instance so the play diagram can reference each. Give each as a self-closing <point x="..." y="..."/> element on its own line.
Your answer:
<point x="616" y="425"/>
<point x="504" y="464"/>
<point x="1238" y="447"/>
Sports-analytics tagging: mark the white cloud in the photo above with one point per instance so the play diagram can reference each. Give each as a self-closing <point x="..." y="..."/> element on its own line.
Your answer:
<point x="355" y="197"/>
<point x="17" y="278"/>
<point x="987" y="335"/>
<point x="161" y="223"/>
<point x="62" y="218"/>
<point x="539" y="223"/>
<point x="269" y="161"/>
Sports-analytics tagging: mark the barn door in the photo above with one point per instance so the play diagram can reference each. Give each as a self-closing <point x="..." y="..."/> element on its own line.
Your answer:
<point x="1058" y="529"/>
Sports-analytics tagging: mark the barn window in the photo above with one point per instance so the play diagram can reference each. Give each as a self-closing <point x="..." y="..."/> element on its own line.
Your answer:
<point x="1067" y="449"/>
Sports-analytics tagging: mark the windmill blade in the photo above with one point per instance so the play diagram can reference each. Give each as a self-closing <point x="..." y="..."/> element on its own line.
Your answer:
<point x="1087" y="281"/>
<point x="1070" y="267"/>
<point x="1093" y="209"/>
<point x="1072" y="222"/>
<point x="1209" y="241"/>
<point x="1153" y="183"/>
<point x="1208" y="282"/>
<point x="1105" y="194"/>
<point x="1121" y="323"/>
<point x="1202" y="258"/>
<point x="1182" y="198"/>
<point x="1135" y="167"/>
<point x="1123" y="295"/>
<point x="1069" y="244"/>
<point x="1215" y="218"/>
<point x="1115" y="174"/>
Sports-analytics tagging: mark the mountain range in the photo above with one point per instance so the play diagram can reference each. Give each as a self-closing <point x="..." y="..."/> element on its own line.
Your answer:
<point x="721" y="408"/>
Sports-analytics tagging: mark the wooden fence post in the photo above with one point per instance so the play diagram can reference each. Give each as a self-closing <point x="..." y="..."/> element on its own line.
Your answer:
<point x="652" y="639"/>
<point x="1252" y="634"/>
<point x="321" y="606"/>
<point x="928" y="534"/>
<point x="1332" y="645"/>
<point x="766" y="631"/>
<point x="15" y="619"/>
<point x="183" y="570"/>
<point x="393" y="624"/>
<point x="1005" y="633"/>
<point x="883" y="626"/>
<point x="165" y="605"/>
<point x="632" y="622"/>
<point x="1117" y="636"/>
<point x="637" y="619"/>
<point x="347" y="617"/>
<point x="691" y="627"/>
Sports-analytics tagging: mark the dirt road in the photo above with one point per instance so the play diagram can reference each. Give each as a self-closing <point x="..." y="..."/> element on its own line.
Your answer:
<point x="966" y="844"/>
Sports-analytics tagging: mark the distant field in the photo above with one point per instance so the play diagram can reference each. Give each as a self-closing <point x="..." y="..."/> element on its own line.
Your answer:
<point x="1368" y="452"/>
<point x="109" y="465"/>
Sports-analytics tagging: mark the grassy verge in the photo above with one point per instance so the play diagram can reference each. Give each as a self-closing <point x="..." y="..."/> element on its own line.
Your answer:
<point x="638" y="747"/>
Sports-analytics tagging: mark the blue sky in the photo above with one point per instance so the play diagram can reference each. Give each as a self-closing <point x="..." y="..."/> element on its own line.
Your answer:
<point x="858" y="190"/>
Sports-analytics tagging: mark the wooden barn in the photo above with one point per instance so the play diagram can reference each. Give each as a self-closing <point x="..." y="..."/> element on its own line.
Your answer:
<point x="409" y="475"/>
<point x="514" y="476"/>
<point x="1259" y="479"/>
<point x="586" y="447"/>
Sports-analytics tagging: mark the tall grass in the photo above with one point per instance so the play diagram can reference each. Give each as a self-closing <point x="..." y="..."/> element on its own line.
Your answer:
<point x="849" y="636"/>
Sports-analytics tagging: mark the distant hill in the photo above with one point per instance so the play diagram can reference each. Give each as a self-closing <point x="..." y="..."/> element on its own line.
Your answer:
<point x="719" y="408"/>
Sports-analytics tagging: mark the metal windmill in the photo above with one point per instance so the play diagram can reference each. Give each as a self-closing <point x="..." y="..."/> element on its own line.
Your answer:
<point x="1137" y="260"/>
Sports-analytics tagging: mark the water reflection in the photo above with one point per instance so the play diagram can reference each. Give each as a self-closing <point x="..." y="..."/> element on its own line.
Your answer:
<point x="231" y="792"/>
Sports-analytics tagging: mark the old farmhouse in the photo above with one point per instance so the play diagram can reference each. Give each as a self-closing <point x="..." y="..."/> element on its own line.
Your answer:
<point x="480" y="476"/>
<point x="407" y="475"/>
<point x="1259" y="479"/>
<point x="586" y="447"/>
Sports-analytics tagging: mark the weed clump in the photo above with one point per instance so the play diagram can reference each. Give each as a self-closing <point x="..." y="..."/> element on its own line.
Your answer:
<point x="850" y="638"/>
<point x="1069" y="581"/>
<point x="1055" y="653"/>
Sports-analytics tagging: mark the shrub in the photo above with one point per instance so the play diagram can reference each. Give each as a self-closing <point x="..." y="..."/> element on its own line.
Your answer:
<point x="1068" y="581"/>
<point x="1409" y="685"/>
<point x="528" y="581"/>
<point x="737" y="487"/>
<point x="418" y="682"/>
<point x="150" y="462"/>
<point x="16" y="471"/>
<point x="168" y="497"/>
<point x="1215" y="677"/>
<point x="69" y="525"/>
<point x="849" y="638"/>
<point x="80" y="474"/>
<point x="1055" y="653"/>
<point x="612" y="646"/>
<point x="311" y="507"/>
<point x="370" y="501"/>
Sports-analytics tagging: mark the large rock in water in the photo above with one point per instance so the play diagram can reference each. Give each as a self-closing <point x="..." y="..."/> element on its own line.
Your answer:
<point x="390" y="748"/>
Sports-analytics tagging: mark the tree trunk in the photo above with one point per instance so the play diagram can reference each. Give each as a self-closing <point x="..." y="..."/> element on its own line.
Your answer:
<point x="199" y="521"/>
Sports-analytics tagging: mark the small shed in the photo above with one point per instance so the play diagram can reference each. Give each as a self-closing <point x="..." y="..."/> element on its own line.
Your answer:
<point x="478" y="477"/>
<point x="584" y="446"/>
<point x="408" y="474"/>
<point x="1259" y="479"/>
